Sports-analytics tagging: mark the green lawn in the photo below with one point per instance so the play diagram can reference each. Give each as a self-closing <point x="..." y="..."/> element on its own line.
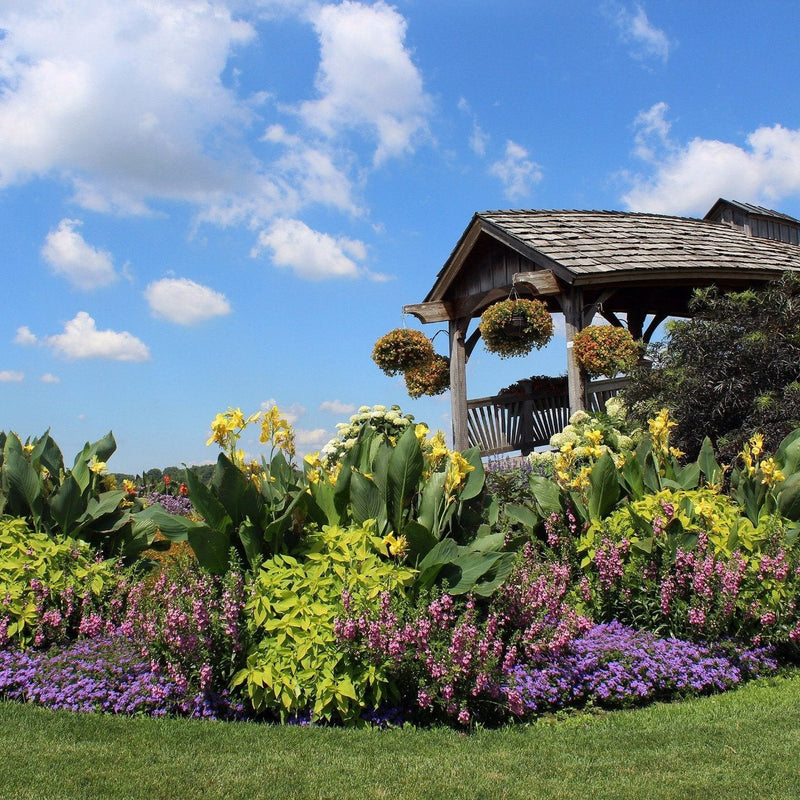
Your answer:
<point x="737" y="745"/>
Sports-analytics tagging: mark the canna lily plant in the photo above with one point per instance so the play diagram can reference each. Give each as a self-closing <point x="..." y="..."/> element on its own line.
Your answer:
<point x="428" y="504"/>
<point x="79" y="502"/>
<point x="258" y="508"/>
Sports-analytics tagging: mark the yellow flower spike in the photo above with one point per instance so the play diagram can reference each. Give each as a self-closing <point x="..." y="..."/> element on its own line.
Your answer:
<point x="421" y="431"/>
<point x="396" y="546"/>
<point x="770" y="472"/>
<point x="28" y="448"/>
<point x="594" y="436"/>
<point x="97" y="467"/>
<point x="457" y="472"/>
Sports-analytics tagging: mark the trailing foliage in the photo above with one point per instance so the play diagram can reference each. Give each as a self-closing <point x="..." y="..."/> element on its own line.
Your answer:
<point x="731" y="370"/>
<point x="514" y="327"/>
<point x="605" y="350"/>
<point x="401" y="349"/>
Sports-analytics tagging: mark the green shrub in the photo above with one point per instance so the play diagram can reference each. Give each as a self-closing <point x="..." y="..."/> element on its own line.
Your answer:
<point x="296" y="663"/>
<point x="729" y="371"/>
<point x="53" y="588"/>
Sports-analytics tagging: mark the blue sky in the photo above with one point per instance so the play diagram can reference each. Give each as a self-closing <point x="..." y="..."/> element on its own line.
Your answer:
<point x="214" y="204"/>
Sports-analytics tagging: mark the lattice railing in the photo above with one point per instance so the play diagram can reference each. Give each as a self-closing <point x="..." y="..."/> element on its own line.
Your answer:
<point x="504" y="423"/>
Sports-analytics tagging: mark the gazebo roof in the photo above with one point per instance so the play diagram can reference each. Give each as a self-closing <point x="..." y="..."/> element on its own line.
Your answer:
<point x="615" y="249"/>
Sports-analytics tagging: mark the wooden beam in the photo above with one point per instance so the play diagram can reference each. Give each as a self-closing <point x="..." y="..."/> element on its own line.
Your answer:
<point x="651" y="328"/>
<point x="572" y="306"/>
<point x="458" y="382"/>
<point x="542" y="282"/>
<point x="590" y="311"/>
<point x="430" y="312"/>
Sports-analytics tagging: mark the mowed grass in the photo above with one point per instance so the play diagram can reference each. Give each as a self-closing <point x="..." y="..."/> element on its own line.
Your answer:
<point x="742" y="744"/>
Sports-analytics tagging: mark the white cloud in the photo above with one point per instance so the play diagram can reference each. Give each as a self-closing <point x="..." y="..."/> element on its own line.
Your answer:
<point x="310" y="173"/>
<point x="11" y="376"/>
<point x="48" y="377"/>
<point x="688" y="178"/>
<point x="81" y="339"/>
<point x="516" y="171"/>
<point x="68" y="254"/>
<point x="479" y="138"/>
<point x="366" y="78"/>
<point x="337" y="407"/>
<point x="25" y="336"/>
<point x="185" y="302"/>
<point x="312" y="439"/>
<point x="309" y="253"/>
<point x="122" y="99"/>
<point x="636" y="29"/>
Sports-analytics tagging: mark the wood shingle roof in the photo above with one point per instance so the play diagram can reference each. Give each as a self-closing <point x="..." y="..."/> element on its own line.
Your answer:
<point x="611" y="248"/>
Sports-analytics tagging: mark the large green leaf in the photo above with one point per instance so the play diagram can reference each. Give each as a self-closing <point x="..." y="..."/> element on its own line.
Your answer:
<point x="708" y="463"/>
<point x="67" y="504"/>
<point x="546" y="495"/>
<point x="252" y="539"/>
<point x="476" y="478"/>
<point x="689" y="476"/>
<point x="604" y="487"/>
<point x="23" y="478"/>
<point x="442" y="553"/>
<point x="420" y="541"/>
<point x="431" y="503"/>
<point x="97" y="507"/>
<point x="789" y="498"/>
<point x="366" y="500"/>
<point x="156" y="518"/>
<point x="207" y="505"/>
<point x="104" y="448"/>
<point x="788" y="453"/>
<point x="632" y="477"/>
<point x="238" y="495"/>
<point x="405" y="470"/>
<point x="48" y="454"/>
<point x="524" y="515"/>
<point x="211" y="547"/>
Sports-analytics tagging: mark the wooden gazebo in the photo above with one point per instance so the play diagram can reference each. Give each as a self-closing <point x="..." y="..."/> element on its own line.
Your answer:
<point x="587" y="263"/>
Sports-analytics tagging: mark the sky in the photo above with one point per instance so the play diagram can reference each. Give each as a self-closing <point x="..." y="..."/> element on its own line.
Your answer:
<point x="208" y="204"/>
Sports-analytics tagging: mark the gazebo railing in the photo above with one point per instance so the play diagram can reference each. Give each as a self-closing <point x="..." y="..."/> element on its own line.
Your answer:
<point x="505" y="423"/>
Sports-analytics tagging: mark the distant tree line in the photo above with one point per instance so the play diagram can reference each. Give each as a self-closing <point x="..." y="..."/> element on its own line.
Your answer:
<point x="157" y="477"/>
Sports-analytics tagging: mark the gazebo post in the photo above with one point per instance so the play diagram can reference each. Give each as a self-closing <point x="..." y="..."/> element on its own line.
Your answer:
<point x="572" y="306"/>
<point x="458" y="381"/>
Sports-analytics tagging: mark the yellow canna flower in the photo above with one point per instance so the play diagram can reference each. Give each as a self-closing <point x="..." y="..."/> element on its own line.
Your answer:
<point x="97" y="467"/>
<point x="594" y="436"/>
<point x="771" y="473"/>
<point x="396" y="546"/>
<point x="457" y="472"/>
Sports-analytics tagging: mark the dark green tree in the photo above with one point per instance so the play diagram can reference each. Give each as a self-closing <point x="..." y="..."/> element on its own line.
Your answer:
<point x="730" y="370"/>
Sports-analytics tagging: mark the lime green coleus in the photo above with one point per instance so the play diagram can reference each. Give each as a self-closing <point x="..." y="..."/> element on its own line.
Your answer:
<point x="59" y="563"/>
<point x="296" y="663"/>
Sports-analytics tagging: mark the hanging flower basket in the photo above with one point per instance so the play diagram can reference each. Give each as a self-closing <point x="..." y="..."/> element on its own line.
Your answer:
<point x="514" y="327"/>
<point x="402" y="349"/>
<point x="430" y="378"/>
<point x="605" y="350"/>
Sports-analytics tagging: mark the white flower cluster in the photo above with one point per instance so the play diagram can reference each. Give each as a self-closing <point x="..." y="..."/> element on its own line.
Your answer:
<point x="390" y="422"/>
